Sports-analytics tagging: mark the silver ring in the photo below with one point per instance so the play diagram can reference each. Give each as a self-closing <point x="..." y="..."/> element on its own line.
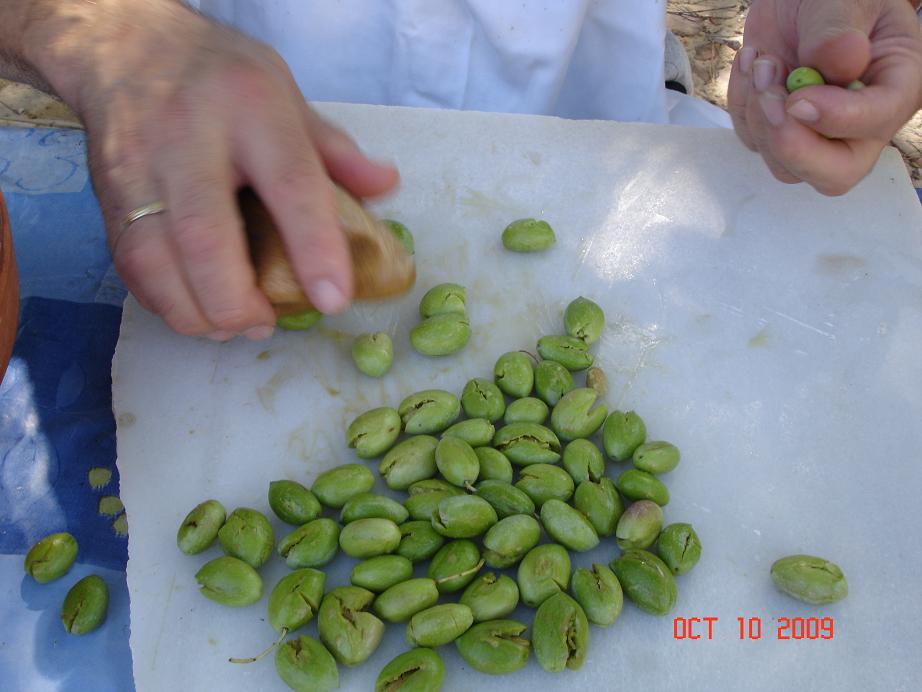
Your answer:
<point x="156" y="207"/>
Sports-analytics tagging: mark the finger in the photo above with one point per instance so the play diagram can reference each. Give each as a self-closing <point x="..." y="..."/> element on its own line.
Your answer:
<point x="346" y="163"/>
<point x="738" y="94"/>
<point x="277" y="157"/>
<point x="874" y="112"/>
<point x="758" y="127"/>
<point x="145" y="259"/>
<point x="834" y="38"/>
<point x="832" y="166"/>
<point x="196" y="175"/>
<point x="768" y="71"/>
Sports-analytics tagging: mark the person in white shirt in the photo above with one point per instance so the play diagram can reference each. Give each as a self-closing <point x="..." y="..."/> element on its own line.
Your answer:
<point x="181" y="109"/>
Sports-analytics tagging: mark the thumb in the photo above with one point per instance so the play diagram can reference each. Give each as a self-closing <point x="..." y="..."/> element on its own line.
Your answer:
<point x="833" y="37"/>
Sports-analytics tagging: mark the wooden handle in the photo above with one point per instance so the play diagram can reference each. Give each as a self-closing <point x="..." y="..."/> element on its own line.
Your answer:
<point x="381" y="266"/>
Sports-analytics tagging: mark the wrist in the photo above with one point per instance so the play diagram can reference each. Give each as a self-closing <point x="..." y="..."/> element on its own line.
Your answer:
<point x="77" y="46"/>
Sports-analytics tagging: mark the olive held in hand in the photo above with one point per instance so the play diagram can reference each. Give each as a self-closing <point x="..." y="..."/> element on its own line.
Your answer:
<point x="528" y="235"/>
<point x="801" y="77"/>
<point x="809" y="579"/>
<point x="51" y="557"/>
<point x="85" y="605"/>
<point x="373" y="354"/>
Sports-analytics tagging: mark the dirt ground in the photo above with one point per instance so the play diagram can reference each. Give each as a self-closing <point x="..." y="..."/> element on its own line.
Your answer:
<point x="711" y="30"/>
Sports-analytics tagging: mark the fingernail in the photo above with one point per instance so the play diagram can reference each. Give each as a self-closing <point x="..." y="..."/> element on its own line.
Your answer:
<point x="763" y="74"/>
<point x="747" y="56"/>
<point x="804" y="110"/>
<point x="260" y="333"/>
<point x="220" y="336"/>
<point x="773" y="107"/>
<point x="327" y="297"/>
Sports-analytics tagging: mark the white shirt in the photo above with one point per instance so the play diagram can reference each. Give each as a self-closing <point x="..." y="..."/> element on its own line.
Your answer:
<point x="600" y="59"/>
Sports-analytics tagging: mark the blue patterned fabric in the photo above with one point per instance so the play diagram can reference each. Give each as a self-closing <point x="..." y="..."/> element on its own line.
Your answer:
<point x="56" y="418"/>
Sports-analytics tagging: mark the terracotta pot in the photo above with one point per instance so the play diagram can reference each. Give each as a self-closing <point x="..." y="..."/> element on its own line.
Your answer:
<point x="9" y="290"/>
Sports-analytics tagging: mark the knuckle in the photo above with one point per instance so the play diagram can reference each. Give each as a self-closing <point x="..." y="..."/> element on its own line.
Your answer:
<point x="198" y="235"/>
<point x="249" y="82"/>
<point x="182" y="322"/>
<point x="135" y="256"/>
<point x="297" y="184"/>
<point x="230" y="317"/>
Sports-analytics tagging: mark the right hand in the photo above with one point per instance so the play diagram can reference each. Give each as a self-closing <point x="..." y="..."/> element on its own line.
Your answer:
<point x="183" y="110"/>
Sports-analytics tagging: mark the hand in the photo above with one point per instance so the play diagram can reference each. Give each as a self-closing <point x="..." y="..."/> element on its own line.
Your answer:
<point x="182" y="110"/>
<point x="827" y="136"/>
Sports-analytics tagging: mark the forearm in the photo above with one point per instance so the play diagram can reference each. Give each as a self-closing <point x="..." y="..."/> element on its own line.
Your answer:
<point x="16" y="17"/>
<point x="61" y="46"/>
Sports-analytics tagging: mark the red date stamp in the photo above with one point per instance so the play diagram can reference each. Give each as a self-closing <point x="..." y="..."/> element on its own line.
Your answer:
<point x="810" y="628"/>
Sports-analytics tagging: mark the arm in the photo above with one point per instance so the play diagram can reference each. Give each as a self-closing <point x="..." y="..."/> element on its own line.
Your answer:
<point x="181" y="110"/>
<point x="827" y="136"/>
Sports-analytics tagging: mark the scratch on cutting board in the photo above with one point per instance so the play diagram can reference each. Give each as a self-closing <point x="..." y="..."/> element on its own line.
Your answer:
<point x="267" y="392"/>
<point x="805" y="325"/>
<point x="166" y="612"/>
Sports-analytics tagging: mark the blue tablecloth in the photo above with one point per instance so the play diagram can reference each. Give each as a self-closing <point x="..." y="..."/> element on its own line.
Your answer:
<point x="56" y="418"/>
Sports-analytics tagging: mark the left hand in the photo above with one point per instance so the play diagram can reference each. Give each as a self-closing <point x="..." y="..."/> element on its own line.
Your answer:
<point x="827" y="136"/>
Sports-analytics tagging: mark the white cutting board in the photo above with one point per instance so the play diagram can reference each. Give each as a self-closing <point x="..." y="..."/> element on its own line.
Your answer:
<point x="771" y="333"/>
